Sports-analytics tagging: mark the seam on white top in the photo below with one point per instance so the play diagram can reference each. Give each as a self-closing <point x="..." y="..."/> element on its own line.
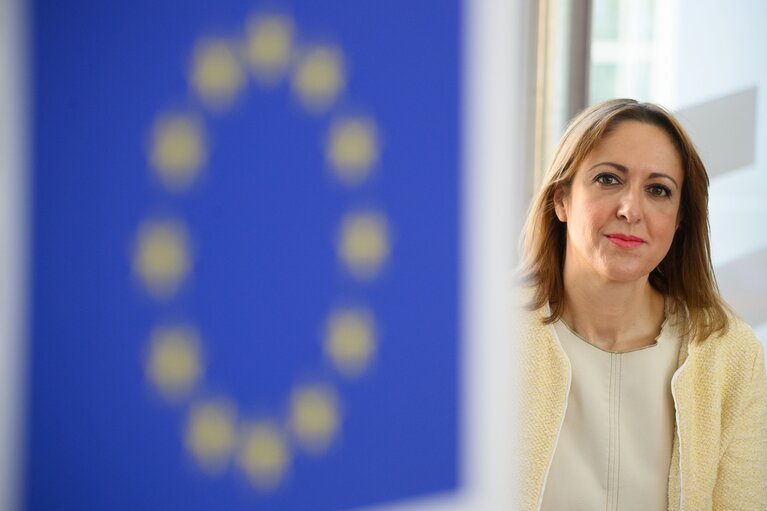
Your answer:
<point x="562" y="422"/>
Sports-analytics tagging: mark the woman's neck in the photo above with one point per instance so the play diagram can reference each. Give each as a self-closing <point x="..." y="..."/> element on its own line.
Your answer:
<point x="615" y="316"/>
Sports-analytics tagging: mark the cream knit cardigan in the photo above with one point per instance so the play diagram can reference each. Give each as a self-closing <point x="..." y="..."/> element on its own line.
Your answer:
<point x="719" y="457"/>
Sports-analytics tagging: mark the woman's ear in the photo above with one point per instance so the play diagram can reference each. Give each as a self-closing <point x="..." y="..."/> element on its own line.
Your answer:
<point x="559" y="204"/>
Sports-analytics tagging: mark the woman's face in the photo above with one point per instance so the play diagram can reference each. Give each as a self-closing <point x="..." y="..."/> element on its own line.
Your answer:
<point x="622" y="207"/>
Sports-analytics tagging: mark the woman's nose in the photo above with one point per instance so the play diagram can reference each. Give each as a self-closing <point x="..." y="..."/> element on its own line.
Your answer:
<point x="630" y="207"/>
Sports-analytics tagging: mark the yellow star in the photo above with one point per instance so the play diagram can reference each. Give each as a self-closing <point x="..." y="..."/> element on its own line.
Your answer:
<point x="364" y="244"/>
<point x="352" y="149"/>
<point x="263" y="454"/>
<point x="161" y="259"/>
<point x="314" y="417"/>
<point x="178" y="150"/>
<point x="319" y="77"/>
<point x="210" y="433"/>
<point x="174" y="363"/>
<point x="350" y="340"/>
<point x="269" y="47"/>
<point x="217" y="74"/>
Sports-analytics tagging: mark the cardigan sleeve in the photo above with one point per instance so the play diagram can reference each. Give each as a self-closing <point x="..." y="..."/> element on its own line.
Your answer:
<point x="742" y="476"/>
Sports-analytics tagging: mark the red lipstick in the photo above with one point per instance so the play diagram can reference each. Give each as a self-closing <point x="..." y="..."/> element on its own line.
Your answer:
<point x="625" y="240"/>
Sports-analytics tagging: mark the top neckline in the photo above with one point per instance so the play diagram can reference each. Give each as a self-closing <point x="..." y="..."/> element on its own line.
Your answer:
<point x="640" y="348"/>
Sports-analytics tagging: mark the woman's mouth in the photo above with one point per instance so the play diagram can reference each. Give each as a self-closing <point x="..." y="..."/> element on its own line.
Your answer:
<point x="625" y="240"/>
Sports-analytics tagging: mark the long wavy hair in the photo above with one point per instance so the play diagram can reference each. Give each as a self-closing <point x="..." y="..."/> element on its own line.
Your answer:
<point x="685" y="276"/>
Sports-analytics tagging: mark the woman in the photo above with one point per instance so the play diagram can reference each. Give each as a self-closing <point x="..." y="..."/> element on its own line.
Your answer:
<point x="641" y="389"/>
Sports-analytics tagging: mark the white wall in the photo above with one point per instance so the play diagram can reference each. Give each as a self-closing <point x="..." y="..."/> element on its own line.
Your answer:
<point x="719" y="50"/>
<point x="12" y="244"/>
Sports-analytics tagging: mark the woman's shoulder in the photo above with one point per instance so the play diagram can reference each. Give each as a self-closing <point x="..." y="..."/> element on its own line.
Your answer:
<point x="528" y="316"/>
<point x="739" y="335"/>
<point x="737" y="345"/>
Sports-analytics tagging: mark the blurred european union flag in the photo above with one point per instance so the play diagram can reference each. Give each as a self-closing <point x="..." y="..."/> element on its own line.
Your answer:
<point x="245" y="254"/>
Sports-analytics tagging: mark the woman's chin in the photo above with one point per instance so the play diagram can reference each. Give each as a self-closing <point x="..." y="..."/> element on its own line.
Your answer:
<point x="624" y="275"/>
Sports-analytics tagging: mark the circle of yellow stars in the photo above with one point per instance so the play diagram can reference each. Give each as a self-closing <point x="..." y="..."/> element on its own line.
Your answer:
<point x="216" y="434"/>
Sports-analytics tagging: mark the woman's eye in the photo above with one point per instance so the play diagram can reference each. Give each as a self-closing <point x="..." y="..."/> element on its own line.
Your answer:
<point x="659" y="191"/>
<point x="606" y="179"/>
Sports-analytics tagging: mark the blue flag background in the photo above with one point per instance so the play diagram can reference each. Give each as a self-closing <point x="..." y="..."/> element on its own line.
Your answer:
<point x="244" y="261"/>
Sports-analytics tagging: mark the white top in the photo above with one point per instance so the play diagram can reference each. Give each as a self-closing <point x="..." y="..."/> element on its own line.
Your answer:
<point x="614" y="448"/>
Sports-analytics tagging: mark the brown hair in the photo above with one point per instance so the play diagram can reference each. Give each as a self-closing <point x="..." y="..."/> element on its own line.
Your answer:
<point x="685" y="276"/>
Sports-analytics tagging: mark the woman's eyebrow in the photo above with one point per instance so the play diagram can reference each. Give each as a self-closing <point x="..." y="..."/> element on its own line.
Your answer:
<point x="617" y="166"/>
<point x="624" y="170"/>
<point x="661" y="174"/>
